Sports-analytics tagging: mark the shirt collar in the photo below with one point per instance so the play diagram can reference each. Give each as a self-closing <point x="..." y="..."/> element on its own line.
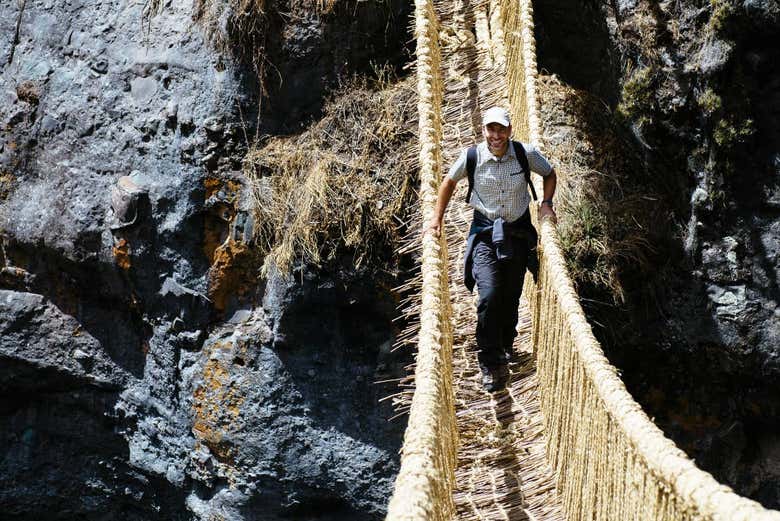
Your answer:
<point x="486" y="155"/>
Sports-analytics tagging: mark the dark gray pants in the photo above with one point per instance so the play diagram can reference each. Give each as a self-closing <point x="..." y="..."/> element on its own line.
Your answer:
<point x="499" y="284"/>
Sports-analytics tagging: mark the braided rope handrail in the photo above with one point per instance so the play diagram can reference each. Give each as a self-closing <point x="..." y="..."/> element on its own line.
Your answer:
<point x="612" y="462"/>
<point x="423" y="488"/>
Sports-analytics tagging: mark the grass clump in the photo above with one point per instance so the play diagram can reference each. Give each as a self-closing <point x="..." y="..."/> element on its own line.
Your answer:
<point x="343" y="186"/>
<point x="238" y="27"/>
<point x="230" y="22"/>
<point x="241" y="27"/>
<point x="637" y="99"/>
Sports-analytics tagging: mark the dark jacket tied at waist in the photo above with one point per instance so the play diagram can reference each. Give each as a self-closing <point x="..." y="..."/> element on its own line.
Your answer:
<point x="508" y="237"/>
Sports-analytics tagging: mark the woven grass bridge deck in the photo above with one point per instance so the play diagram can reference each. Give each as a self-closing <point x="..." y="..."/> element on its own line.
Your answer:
<point x="565" y="440"/>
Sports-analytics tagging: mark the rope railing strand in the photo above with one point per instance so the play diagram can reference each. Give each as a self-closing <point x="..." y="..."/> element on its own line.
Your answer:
<point x="423" y="488"/>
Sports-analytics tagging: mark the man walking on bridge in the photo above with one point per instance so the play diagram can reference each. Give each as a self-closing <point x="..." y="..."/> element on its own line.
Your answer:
<point x="501" y="235"/>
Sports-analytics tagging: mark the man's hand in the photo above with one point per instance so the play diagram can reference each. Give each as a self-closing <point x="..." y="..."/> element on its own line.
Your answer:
<point x="546" y="211"/>
<point x="445" y="193"/>
<point x="434" y="227"/>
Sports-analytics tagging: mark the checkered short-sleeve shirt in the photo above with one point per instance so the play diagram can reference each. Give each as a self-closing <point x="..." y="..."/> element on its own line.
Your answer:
<point x="500" y="189"/>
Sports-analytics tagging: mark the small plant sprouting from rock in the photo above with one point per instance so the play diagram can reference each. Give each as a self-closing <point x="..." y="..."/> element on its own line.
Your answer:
<point x="7" y="181"/>
<point x="325" y="6"/>
<point x="28" y="92"/>
<point x="729" y="133"/>
<point x="637" y="98"/>
<point x="723" y="13"/>
<point x="709" y="102"/>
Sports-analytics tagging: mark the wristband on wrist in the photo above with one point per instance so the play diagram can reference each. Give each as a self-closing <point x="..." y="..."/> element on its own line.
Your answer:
<point x="548" y="202"/>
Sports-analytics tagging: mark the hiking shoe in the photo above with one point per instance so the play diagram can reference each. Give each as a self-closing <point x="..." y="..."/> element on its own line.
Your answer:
<point x="494" y="378"/>
<point x="507" y="354"/>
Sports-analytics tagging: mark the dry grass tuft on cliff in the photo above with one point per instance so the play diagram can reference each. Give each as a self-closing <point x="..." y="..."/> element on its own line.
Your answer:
<point x="345" y="186"/>
<point x="240" y="27"/>
<point x="609" y="211"/>
<point x="234" y="21"/>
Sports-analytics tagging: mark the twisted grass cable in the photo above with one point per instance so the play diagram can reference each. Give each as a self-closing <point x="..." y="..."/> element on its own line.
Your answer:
<point x="423" y="488"/>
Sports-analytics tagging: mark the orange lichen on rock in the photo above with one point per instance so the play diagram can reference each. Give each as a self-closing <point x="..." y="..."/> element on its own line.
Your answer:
<point x="680" y="413"/>
<point x="217" y="402"/>
<point x="7" y="180"/>
<point x="698" y="425"/>
<point x="233" y="274"/>
<point x="214" y="235"/>
<point x="220" y="213"/>
<point x="122" y="254"/>
<point x="212" y="185"/>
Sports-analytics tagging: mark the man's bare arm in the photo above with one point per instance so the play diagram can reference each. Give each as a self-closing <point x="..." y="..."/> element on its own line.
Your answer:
<point x="445" y="194"/>
<point x="549" y="183"/>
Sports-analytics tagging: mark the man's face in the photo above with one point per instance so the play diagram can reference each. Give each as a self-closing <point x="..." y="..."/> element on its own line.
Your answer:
<point x="497" y="136"/>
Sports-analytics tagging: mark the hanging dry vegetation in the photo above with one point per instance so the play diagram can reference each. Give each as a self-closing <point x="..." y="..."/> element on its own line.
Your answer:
<point x="241" y="27"/>
<point x="343" y="186"/>
<point x="611" y="213"/>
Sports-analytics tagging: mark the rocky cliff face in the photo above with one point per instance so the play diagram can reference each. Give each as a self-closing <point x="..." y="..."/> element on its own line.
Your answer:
<point x="693" y="87"/>
<point x="144" y="371"/>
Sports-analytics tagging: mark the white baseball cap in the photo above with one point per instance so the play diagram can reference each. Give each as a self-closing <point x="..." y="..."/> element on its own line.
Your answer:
<point x="496" y="115"/>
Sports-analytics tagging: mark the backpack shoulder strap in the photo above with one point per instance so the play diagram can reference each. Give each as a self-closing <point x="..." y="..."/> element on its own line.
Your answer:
<point x="471" y="165"/>
<point x="522" y="158"/>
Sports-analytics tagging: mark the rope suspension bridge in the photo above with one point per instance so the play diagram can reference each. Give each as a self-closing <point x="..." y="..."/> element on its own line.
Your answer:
<point x="565" y="440"/>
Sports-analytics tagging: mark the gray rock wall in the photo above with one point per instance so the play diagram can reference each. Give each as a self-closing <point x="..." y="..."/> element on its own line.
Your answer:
<point x="142" y="373"/>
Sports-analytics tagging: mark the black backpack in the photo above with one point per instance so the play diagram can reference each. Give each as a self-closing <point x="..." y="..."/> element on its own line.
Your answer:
<point x="471" y="164"/>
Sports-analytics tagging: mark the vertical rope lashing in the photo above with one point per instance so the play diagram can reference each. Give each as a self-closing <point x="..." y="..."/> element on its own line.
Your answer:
<point x="423" y="488"/>
<point x="657" y="468"/>
<point x="612" y="462"/>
